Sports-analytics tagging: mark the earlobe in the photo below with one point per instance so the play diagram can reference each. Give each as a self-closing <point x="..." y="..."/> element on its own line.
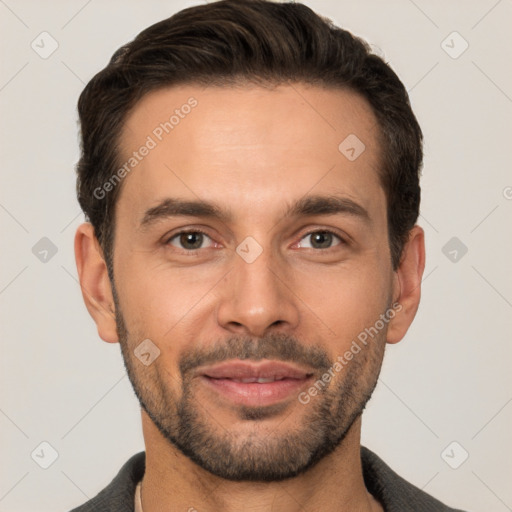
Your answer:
<point x="95" y="282"/>
<point x="407" y="290"/>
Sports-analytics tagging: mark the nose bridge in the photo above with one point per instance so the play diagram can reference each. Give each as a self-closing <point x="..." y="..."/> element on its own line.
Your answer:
<point x="254" y="296"/>
<point x="258" y="276"/>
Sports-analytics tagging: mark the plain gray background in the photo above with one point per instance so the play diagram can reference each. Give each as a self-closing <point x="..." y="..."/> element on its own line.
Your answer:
<point x="447" y="381"/>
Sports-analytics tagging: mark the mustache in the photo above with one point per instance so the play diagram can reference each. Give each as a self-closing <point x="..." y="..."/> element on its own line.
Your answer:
<point x="276" y="346"/>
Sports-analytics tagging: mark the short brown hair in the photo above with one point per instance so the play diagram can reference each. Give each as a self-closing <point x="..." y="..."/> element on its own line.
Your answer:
<point x="234" y="41"/>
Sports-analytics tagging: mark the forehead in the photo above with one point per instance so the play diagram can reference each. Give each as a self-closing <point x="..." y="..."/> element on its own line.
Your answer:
<point x="245" y="145"/>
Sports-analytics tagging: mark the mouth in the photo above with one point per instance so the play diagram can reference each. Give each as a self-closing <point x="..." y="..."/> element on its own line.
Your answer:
<point x="255" y="384"/>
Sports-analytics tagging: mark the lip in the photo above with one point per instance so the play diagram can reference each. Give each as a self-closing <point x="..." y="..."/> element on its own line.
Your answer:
<point x="239" y="369"/>
<point x="226" y="380"/>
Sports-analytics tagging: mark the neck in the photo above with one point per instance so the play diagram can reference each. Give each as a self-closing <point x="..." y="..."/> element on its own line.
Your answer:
<point x="173" y="482"/>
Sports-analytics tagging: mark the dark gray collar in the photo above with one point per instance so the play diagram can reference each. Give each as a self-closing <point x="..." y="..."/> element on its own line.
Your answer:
<point x="394" y="493"/>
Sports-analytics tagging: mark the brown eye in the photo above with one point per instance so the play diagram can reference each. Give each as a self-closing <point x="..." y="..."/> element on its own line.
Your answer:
<point x="189" y="240"/>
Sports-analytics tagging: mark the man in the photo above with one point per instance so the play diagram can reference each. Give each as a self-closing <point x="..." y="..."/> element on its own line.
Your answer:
<point x="251" y="177"/>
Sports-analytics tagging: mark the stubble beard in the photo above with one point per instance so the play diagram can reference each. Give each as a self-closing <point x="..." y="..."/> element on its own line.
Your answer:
<point x="264" y="454"/>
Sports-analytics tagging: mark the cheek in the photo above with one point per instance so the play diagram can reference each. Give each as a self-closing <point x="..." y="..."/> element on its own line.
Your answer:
<point x="157" y="301"/>
<point x="347" y="300"/>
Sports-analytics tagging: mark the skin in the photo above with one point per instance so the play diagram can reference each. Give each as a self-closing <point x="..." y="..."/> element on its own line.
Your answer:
<point x="253" y="151"/>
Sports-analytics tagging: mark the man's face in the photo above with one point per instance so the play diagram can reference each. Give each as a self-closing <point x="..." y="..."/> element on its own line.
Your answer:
<point x="277" y="287"/>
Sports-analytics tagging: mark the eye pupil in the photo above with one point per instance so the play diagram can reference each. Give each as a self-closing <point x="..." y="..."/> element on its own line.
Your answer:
<point x="321" y="239"/>
<point x="191" y="240"/>
<point x="194" y="240"/>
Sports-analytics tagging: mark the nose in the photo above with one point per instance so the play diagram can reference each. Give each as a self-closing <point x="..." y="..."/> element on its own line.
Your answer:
<point x="257" y="297"/>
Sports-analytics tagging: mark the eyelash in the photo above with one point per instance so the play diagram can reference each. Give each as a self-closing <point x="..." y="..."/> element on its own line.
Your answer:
<point x="184" y="232"/>
<point x="198" y="230"/>
<point x="329" y="231"/>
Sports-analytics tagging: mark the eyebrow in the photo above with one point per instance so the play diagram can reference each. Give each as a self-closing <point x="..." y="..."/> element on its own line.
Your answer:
<point x="326" y="205"/>
<point x="304" y="207"/>
<point x="173" y="207"/>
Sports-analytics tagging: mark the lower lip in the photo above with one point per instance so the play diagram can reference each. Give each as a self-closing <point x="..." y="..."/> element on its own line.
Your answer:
<point x="254" y="393"/>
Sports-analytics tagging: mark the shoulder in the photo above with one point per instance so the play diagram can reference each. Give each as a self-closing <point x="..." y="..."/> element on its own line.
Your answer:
<point x="395" y="493"/>
<point x="119" y="495"/>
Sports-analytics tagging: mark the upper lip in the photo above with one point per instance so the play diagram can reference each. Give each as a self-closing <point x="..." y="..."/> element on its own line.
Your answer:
<point x="246" y="370"/>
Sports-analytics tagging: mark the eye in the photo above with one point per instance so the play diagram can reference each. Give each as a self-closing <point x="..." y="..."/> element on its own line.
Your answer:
<point x="189" y="240"/>
<point x="320" y="240"/>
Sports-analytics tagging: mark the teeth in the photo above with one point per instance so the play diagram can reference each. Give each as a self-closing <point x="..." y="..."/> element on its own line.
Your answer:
<point x="260" y="380"/>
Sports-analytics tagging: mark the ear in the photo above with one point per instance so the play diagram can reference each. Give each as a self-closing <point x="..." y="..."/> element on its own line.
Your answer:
<point x="94" y="282"/>
<point x="407" y="288"/>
